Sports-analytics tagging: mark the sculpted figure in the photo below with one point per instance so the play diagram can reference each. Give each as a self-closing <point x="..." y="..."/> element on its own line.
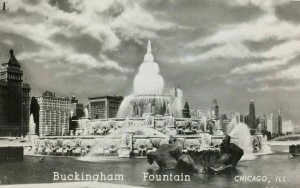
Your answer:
<point x="170" y="156"/>
<point x="162" y="156"/>
<point x="230" y="152"/>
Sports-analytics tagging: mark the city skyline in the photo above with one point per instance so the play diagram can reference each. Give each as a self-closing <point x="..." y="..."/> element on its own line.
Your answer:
<point x="99" y="53"/>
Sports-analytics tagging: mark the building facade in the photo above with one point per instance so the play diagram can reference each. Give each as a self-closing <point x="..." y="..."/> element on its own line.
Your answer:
<point x="262" y="123"/>
<point x="104" y="107"/>
<point x="215" y="110"/>
<point x="76" y="112"/>
<point x="54" y="113"/>
<point x="238" y="117"/>
<point x="186" y="110"/>
<point x="76" y="108"/>
<point x="251" y="117"/>
<point x="287" y="127"/>
<point x="274" y="124"/>
<point x="196" y="113"/>
<point x="14" y="99"/>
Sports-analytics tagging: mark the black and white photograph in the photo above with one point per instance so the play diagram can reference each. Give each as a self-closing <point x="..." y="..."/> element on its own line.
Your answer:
<point x="149" y="93"/>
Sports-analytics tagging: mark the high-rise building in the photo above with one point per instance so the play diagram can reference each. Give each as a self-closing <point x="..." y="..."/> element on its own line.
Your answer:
<point x="104" y="107"/>
<point x="76" y="112"/>
<point x="262" y="122"/>
<point x="54" y="114"/>
<point x="186" y="110"/>
<point x="270" y="123"/>
<point x="177" y="92"/>
<point x="274" y="124"/>
<point x="279" y="119"/>
<point x="252" y="117"/>
<point x="14" y="99"/>
<point x="287" y="127"/>
<point x="238" y="117"/>
<point x="76" y="108"/>
<point x="215" y="110"/>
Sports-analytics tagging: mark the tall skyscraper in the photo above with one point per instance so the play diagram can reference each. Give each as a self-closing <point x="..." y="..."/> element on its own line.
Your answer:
<point x="279" y="117"/>
<point x="274" y="124"/>
<point x="54" y="113"/>
<point x="14" y="99"/>
<point x="252" y="117"/>
<point x="76" y="112"/>
<point x="215" y="110"/>
<point x="186" y="110"/>
<point x="270" y="123"/>
<point x="76" y="108"/>
<point x="262" y="120"/>
<point x="104" y="107"/>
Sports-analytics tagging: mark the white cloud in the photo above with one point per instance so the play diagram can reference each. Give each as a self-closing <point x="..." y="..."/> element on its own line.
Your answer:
<point x="266" y="5"/>
<point x="39" y="22"/>
<point x="135" y="22"/>
<point x="274" y="88"/>
<point x="230" y="42"/>
<point x="227" y="50"/>
<point x="259" y="67"/>
<point x="83" y="59"/>
<point x="279" y="55"/>
<point x="291" y="73"/>
<point x="288" y="50"/>
<point x="266" y="27"/>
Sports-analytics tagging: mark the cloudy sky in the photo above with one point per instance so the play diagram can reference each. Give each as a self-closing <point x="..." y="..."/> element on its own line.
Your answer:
<point x="233" y="50"/>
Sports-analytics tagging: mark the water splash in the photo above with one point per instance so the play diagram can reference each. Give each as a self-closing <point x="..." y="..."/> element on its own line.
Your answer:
<point x="115" y="141"/>
<point x="242" y="137"/>
<point x="32" y="125"/>
<point x="148" y="97"/>
<point x="148" y="80"/>
<point x="138" y="130"/>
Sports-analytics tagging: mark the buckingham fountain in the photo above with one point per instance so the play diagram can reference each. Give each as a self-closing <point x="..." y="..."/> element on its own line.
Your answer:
<point x="147" y="119"/>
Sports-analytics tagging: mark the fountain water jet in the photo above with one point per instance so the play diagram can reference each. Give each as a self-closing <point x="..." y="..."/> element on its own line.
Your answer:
<point x="243" y="138"/>
<point x="32" y="125"/>
<point x="148" y="97"/>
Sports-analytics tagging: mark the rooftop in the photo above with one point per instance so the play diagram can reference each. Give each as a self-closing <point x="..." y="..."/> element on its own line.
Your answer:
<point x="12" y="60"/>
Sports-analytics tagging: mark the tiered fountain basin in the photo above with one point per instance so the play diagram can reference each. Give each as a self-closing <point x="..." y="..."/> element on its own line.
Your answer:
<point x="128" y="137"/>
<point x="105" y="137"/>
<point x="165" y="124"/>
<point x="111" y="145"/>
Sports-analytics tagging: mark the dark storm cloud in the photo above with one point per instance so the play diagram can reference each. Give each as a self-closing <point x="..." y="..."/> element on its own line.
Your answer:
<point x="289" y="12"/>
<point x="81" y="43"/>
<point x="62" y="5"/>
<point x="231" y="50"/>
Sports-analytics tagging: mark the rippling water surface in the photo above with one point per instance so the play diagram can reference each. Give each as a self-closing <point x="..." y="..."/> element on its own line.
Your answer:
<point x="30" y="170"/>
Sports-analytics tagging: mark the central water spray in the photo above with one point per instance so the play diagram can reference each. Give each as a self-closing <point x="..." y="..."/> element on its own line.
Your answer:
<point x="148" y="80"/>
<point x="148" y="97"/>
